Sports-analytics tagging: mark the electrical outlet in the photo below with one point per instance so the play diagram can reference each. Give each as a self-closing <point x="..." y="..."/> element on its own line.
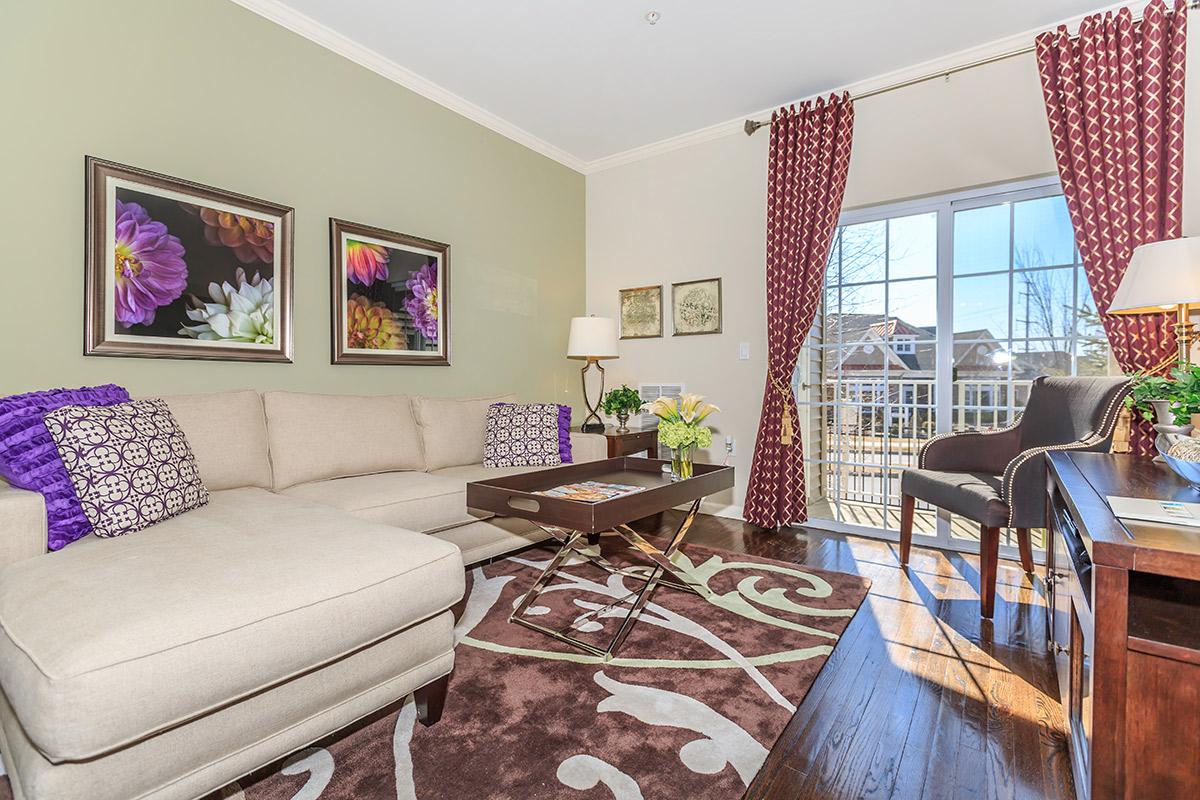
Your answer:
<point x="730" y="446"/>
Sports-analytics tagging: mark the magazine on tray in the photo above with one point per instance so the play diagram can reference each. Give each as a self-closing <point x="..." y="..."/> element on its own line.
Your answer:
<point x="590" y="491"/>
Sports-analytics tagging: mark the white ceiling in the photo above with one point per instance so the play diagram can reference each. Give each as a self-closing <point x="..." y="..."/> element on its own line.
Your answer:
<point x="590" y="78"/>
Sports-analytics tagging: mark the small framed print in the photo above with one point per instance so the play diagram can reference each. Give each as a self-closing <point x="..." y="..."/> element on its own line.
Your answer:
<point x="696" y="307"/>
<point x="391" y="297"/>
<point x="642" y="312"/>
<point x="176" y="269"/>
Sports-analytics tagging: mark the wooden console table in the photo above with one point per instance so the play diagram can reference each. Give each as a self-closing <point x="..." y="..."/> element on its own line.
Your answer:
<point x="632" y="442"/>
<point x="1124" y="607"/>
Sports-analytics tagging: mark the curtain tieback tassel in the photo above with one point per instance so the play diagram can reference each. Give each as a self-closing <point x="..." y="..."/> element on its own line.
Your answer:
<point x="786" y="429"/>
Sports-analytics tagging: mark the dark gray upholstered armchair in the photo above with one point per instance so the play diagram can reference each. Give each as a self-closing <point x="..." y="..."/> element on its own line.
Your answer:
<point x="998" y="477"/>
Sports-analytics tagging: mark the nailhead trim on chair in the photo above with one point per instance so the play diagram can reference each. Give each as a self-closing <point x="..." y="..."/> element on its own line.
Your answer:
<point x="1091" y="440"/>
<point x="940" y="436"/>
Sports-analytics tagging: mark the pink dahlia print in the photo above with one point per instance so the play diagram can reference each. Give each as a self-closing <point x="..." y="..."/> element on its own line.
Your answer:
<point x="149" y="266"/>
<point x="423" y="305"/>
<point x="252" y="240"/>
<point x="366" y="263"/>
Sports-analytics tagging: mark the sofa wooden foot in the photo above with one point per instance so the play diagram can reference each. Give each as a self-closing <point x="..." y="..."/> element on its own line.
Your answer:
<point x="430" y="700"/>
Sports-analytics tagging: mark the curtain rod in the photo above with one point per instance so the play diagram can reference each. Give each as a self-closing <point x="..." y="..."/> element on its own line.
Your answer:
<point x="752" y="125"/>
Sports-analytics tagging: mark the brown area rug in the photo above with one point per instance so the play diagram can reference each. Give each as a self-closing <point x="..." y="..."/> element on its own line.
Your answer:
<point x="689" y="708"/>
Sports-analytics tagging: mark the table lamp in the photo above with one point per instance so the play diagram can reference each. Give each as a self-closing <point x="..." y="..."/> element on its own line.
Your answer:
<point x="1162" y="277"/>
<point x="592" y="338"/>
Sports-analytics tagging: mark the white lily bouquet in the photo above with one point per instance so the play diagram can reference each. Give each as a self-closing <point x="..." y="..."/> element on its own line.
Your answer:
<point x="680" y="429"/>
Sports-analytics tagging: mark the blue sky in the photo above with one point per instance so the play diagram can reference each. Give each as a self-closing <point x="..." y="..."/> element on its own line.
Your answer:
<point x="987" y="240"/>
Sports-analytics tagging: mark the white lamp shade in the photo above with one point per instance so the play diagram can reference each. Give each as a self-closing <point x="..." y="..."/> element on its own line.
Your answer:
<point x="1161" y="276"/>
<point x="592" y="337"/>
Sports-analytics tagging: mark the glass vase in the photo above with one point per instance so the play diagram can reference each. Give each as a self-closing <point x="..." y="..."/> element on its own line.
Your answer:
<point x="681" y="463"/>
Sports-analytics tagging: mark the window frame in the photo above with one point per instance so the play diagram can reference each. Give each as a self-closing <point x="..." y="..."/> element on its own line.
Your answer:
<point x="813" y="356"/>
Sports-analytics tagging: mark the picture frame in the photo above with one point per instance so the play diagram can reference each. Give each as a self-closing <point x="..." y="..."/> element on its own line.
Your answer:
<point x="641" y="312"/>
<point x="399" y="287"/>
<point x="158" y="247"/>
<point x="696" y="307"/>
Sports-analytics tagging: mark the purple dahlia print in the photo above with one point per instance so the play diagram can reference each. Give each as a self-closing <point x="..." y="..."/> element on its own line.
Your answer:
<point x="423" y="305"/>
<point x="149" y="266"/>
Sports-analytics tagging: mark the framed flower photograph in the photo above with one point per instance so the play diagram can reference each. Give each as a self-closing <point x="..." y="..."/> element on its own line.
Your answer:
<point x="641" y="312"/>
<point x="176" y="269"/>
<point x="696" y="307"/>
<point x="391" y="297"/>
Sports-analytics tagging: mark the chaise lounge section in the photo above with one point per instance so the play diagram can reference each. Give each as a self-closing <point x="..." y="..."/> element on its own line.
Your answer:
<point x="313" y="589"/>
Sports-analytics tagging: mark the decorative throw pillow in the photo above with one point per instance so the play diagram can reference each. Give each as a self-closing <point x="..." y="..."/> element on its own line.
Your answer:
<point x="29" y="458"/>
<point x="527" y="435"/>
<point x="131" y="464"/>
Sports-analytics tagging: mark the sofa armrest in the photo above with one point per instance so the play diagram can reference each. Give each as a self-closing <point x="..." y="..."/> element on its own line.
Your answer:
<point x="22" y="524"/>
<point x="588" y="447"/>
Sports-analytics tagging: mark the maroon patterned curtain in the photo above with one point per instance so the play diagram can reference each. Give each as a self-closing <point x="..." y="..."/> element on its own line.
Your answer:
<point x="806" y="180"/>
<point x="1114" y="97"/>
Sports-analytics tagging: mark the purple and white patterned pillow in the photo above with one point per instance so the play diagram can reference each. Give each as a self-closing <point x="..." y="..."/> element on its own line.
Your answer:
<point x="527" y="435"/>
<point x="130" y="464"/>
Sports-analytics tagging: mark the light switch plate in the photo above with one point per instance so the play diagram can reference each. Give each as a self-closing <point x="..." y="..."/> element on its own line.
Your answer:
<point x="744" y="351"/>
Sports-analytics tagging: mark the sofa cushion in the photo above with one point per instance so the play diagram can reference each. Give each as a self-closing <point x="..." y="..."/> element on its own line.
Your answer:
<point x="453" y="429"/>
<point x="318" y="436"/>
<point x="228" y="435"/>
<point x="112" y="640"/>
<point x="417" y="501"/>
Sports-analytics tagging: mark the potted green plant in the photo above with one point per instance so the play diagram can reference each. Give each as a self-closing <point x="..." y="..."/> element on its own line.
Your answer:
<point x="1184" y="394"/>
<point x="680" y="429"/>
<point x="1150" y="396"/>
<point x="621" y="403"/>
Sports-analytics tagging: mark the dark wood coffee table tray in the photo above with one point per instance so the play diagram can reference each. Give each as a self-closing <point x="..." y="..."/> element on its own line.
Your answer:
<point x="516" y="495"/>
<point x="578" y="526"/>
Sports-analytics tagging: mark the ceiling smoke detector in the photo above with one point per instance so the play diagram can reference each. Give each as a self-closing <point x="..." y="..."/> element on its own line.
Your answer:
<point x="652" y="17"/>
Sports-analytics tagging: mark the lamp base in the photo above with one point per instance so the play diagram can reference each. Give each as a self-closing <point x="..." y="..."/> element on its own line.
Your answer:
<point x="592" y="427"/>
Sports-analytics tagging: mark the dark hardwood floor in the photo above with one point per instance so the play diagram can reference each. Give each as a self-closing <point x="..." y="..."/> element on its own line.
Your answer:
<point x="922" y="697"/>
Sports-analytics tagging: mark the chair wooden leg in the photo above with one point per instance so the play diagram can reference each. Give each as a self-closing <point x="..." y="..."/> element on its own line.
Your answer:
<point x="1025" y="543"/>
<point x="430" y="700"/>
<point x="907" y="505"/>
<point x="989" y="557"/>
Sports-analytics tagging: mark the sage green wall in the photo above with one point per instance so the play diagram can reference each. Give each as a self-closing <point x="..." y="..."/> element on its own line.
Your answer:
<point x="208" y="91"/>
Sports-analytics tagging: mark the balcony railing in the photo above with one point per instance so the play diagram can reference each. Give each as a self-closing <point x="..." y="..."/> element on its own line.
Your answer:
<point x="863" y="432"/>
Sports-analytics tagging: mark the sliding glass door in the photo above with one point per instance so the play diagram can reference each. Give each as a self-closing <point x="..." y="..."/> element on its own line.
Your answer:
<point x="937" y="316"/>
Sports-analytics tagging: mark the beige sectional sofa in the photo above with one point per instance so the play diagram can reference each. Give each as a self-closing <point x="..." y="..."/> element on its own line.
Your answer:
<point x="313" y="589"/>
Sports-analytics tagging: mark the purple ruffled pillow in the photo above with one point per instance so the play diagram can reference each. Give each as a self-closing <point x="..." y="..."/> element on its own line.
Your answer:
<point x="29" y="458"/>
<point x="527" y="435"/>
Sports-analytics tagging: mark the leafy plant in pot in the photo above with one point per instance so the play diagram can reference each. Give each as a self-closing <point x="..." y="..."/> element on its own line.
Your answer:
<point x="621" y="403"/>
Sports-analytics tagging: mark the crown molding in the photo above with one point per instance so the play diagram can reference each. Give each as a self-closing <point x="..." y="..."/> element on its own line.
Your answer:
<point x="948" y="62"/>
<point x="318" y="33"/>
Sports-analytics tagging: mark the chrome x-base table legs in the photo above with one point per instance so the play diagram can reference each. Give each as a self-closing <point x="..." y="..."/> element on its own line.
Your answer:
<point x="575" y="542"/>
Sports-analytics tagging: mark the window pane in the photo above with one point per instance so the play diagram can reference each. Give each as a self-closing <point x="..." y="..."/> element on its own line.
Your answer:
<point x="1042" y="233"/>
<point x="864" y="252"/>
<point x="981" y="307"/>
<point x="1045" y="303"/>
<point x="913" y="306"/>
<point x="1031" y="359"/>
<point x="912" y="246"/>
<point x="857" y="301"/>
<point x="981" y="239"/>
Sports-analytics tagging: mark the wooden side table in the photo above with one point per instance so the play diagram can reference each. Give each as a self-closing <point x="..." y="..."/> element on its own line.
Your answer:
<point x="632" y="442"/>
